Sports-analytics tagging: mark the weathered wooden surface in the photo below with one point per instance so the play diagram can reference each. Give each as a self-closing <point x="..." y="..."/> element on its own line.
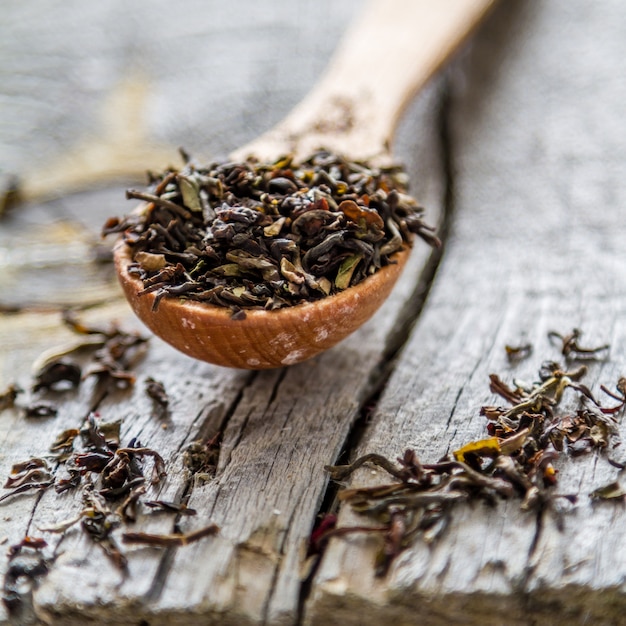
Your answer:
<point x="529" y="142"/>
<point x="535" y="246"/>
<point x="279" y="428"/>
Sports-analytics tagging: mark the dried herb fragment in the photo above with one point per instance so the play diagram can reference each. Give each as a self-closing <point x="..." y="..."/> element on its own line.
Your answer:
<point x="570" y="348"/>
<point x="620" y="396"/>
<point x="112" y="476"/>
<point x="175" y="539"/>
<point x="113" y="353"/>
<point x="9" y="395"/>
<point x="156" y="391"/>
<point x="98" y="520"/>
<point x="170" y="507"/>
<point x="201" y="457"/>
<point x="61" y="527"/>
<point x="71" y="348"/>
<point x="158" y="470"/>
<point x="321" y="533"/>
<point x="34" y="486"/>
<point x="31" y="476"/>
<point x="40" y="409"/>
<point x="265" y="236"/>
<point x="127" y="510"/>
<point x="112" y="364"/>
<point x="518" y="353"/>
<point x="484" y="447"/>
<point x="612" y="491"/>
<point x="61" y="374"/>
<point x="516" y="460"/>
<point x="72" y="481"/>
<point x="34" y="543"/>
<point x="27" y="564"/>
<point x="64" y="443"/>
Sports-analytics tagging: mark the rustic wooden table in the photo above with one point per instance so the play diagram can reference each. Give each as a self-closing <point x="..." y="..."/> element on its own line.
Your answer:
<point x="518" y="150"/>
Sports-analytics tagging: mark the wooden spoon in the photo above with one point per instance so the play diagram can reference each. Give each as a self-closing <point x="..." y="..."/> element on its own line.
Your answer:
<point x="387" y="55"/>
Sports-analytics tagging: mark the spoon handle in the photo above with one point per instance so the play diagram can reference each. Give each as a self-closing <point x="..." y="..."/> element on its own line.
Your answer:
<point x="387" y="55"/>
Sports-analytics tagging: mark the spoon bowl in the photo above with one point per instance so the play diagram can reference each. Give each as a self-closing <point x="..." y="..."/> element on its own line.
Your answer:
<point x="263" y="339"/>
<point x="384" y="59"/>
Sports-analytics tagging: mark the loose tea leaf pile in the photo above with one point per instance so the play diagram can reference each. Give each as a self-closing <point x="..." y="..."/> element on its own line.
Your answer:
<point x="252" y="235"/>
<point x="516" y="460"/>
<point x="112" y="478"/>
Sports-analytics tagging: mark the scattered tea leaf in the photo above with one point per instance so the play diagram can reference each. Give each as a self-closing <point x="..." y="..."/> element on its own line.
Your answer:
<point x="518" y="459"/>
<point x="268" y="235"/>
<point x="571" y="348"/>
<point x="483" y="447"/>
<point x="170" y="507"/>
<point x="58" y="375"/>
<point x="612" y="491"/>
<point x="9" y="395"/>
<point x="40" y="409"/>
<point x="156" y="391"/>
<point x="518" y="353"/>
<point x="175" y="539"/>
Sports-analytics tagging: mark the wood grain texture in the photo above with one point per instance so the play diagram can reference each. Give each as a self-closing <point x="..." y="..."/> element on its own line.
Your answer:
<point x="534" y="153"/>
<point x="536" y="246"/>
<point x="91" y="93"/>
<point x="279" y="428"/>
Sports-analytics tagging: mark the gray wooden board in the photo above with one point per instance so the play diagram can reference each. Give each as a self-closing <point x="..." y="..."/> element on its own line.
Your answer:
<point x="279" y="428"/>
<point x="533" y="140"/>
<point x="536" y="146"/>
<point x="113" y="88"/>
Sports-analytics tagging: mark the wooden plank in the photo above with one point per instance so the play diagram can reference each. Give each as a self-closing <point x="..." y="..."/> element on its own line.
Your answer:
<point x="91" y="94"/>
<point x="536" y="245"/>
<point x="279" y="428"/>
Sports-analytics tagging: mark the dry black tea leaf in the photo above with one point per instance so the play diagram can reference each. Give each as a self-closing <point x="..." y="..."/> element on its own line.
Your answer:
<point x="201" y="457"/>
<point x="99" y="521"/>
<point x="27" y="565"/>
<point x="619" y="395"/>
<point x="526" y="438"/>
<point x="518" y="352"/>
<point x="35" y="476"/>
<point x="127" y="510"/>
<point x="56" y="375"/>
<point x="156" y="390"/>
<point x="72" y="481"/>
<point x="32" y="543"/>
<point x="64" y="442"/>
<point x="34" y="486"/>
<point x="175" y="539"/>
<point x="9" y="395"/>
<point x="40" y="409"/>
<point x="169" y="507"/>
<point x="266" y="236"/>
<point x="570" y="348"/>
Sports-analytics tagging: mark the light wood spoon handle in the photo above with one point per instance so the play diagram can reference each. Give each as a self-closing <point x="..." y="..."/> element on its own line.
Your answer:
<point x="384" y="59"/>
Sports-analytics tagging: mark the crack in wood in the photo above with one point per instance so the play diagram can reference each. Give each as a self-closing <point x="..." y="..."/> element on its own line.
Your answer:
<point x="201" y="432"/>
<point x="407" y="318"/>
<point x="276" y="386"/>
<point x="165" y="565"/>
<point x="27" y="612"/>
<point x="412" y="308"/>
<point x="281" y="552"/>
